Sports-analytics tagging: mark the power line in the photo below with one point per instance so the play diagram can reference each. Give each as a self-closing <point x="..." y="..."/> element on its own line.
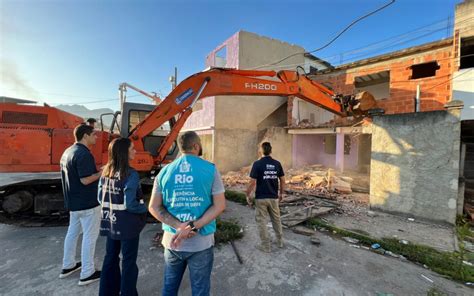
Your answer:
<point x="364" y="48"/>
<point x="333" y="39"/>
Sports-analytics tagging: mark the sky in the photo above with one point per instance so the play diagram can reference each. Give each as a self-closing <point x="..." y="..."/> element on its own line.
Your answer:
<point x="78" y="52"/>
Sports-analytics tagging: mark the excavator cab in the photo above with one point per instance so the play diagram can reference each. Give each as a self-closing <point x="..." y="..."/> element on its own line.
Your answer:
<point x="133" y="114"/>
<point x="122" y="123"/>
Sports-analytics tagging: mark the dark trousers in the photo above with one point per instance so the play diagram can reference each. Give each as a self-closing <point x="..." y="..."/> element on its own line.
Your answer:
<point x="113" y="283"/>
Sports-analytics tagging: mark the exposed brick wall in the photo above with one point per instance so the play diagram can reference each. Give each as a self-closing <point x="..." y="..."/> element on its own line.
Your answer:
<point x="435" y="91"/>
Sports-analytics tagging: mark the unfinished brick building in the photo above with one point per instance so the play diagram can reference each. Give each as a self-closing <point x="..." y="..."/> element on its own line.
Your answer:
<point x="410" y="80"/>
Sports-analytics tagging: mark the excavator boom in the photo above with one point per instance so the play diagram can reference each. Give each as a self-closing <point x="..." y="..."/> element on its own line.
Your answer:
<point x="220" y="81"/>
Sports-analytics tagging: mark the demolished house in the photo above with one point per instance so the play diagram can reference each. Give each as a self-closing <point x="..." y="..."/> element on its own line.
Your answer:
<point x="413" y="160"/>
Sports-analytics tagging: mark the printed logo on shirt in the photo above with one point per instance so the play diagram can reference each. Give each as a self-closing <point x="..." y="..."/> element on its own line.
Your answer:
<point x="183" y="179"/>
<point x="184" y="167"/>
<point x="270" y="167"/>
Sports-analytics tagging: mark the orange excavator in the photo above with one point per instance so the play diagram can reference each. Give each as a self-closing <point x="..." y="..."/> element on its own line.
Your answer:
<point x="32" y="138"/>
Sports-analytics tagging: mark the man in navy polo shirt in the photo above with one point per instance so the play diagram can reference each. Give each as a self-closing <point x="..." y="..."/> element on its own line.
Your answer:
<point x="79" y="178"/>
<point x="267" y="173"/>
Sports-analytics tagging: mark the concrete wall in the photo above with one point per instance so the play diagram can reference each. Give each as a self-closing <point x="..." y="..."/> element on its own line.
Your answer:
<point x="234" y="148"/>
<point x="281" y="143"/>
<point x="415" y="164"/>
<point x="309" y="149"/>
<point x="237" y="117"/>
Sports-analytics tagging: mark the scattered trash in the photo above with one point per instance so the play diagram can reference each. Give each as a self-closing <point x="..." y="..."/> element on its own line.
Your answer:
<point x="365" y="248"/>
<point x="403" y="241"/>
<point x="355" y="246"/>
<point x="391" y="254"/>
<point x="310" y="265"/>
<point x="411" y="219"/>
<point x="395" y="236"/>
<point x="425" y="266"/>
<point x="467" y="263"/>
<point x="153" y="248"/>
<point x="375" y="246"/>
<point x="469" y="284"/>
<point x="402" y="257"/>
<point x="351" y="240"/>
<point x="427" y="278"/>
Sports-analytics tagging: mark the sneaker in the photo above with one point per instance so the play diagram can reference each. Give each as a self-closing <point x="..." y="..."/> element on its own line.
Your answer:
<point x="93" y="278"/>
<point x="263" y="248"/>
<point x="67" y="272"/>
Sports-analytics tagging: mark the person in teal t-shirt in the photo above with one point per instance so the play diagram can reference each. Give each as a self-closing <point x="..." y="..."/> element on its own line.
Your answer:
<point x="187" y="197"/>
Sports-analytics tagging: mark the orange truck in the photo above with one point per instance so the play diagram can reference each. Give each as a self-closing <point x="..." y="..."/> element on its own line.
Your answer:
<point x="33" y="138"/>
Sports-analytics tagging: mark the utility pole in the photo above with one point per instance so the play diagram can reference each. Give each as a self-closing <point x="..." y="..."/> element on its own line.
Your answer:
<point x="174" y="79"/>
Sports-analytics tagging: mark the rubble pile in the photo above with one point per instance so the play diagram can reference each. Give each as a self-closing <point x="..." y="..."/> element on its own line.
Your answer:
<point x="311" y="179"/>
<point x="240" y="177"/>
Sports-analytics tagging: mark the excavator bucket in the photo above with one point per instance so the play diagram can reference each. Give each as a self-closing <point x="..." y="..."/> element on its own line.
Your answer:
<point x="363" y="102"/>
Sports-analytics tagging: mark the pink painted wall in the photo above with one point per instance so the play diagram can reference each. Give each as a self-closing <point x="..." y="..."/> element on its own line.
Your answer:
<point x="309" y="149"/>
<point x="206" y="116"/>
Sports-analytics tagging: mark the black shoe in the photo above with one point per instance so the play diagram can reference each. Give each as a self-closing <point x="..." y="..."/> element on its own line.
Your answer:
<point x="93" y="278"/>
<point x="67" y="272"/>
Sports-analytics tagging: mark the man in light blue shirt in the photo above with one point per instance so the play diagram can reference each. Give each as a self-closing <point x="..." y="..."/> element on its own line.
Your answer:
<point x="187" y="197"/>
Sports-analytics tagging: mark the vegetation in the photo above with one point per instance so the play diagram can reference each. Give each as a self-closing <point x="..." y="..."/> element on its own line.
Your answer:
<point x="446" y="263"/>
<point x="227" y="231"/>
<point x="235" y="196"/>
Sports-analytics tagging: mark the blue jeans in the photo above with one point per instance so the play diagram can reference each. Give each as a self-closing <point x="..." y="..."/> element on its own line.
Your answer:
<point x="200" y="267"/>
<point x="87" y="222"/>
<point x="111" y="281"/>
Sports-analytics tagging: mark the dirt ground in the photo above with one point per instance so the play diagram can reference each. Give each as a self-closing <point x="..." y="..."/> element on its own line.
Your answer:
<point x="31" y="261"/>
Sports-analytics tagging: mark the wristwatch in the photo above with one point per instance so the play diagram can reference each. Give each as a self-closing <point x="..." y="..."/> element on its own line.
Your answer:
<point x="193" y="228"/>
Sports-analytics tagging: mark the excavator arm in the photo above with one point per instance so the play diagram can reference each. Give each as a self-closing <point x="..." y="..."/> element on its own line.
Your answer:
<point x="219" y="81"/>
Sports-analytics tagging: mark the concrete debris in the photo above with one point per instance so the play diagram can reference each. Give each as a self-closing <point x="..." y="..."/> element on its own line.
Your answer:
<point x="240" y="177"/>
<point x="311" y="179"/>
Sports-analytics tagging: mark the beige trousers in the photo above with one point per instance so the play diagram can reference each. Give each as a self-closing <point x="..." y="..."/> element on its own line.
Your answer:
<point x="264" y="208"/>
